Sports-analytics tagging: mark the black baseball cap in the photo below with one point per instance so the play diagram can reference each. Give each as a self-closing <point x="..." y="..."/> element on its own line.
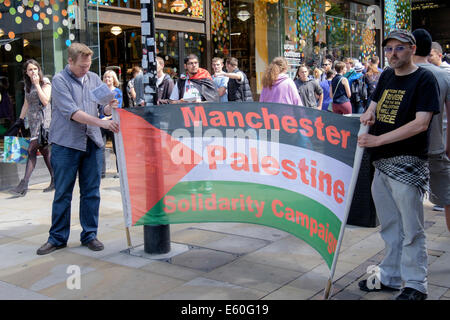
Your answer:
<point x="400" y="35"/>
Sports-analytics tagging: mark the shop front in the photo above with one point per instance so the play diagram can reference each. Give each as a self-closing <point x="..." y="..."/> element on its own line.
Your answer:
<point x="253" y="31"/>
<point x="39" y="30"/>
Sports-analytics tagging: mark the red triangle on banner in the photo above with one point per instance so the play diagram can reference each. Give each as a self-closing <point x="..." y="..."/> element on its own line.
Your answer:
<point x="155" y="162"/>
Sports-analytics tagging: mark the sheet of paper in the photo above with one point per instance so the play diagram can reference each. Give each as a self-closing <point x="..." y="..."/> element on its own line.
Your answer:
<point x="144" y="14"/>
<point x="144" y="62"/>
<point x="102" y="95"/>
<point x="145" y="28"/>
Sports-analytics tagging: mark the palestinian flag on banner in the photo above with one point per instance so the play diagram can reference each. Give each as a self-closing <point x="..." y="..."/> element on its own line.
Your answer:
<point x="277" y="165"/>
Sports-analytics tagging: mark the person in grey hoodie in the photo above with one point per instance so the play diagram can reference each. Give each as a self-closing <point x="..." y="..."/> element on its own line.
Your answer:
<point x="309" y="89"/>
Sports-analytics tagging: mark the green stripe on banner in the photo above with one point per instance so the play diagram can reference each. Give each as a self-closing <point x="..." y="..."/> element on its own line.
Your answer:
<point x="225" y="201"/>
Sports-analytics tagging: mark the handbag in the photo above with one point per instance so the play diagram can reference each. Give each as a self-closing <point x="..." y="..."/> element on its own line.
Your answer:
<point x="43" y="136"/>
<point x="15" y="149"/>
<point x="43" y="132"/>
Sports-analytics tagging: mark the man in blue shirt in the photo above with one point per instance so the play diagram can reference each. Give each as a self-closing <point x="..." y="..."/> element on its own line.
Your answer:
<point x="220" y="81"/>
<point x="76" y="149"/>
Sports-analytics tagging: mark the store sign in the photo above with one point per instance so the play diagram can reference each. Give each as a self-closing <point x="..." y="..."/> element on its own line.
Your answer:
<point x="374" y="19"/>
<point x="290" y="53"/>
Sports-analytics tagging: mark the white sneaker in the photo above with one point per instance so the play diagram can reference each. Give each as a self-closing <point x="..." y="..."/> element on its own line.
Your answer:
<point x="438" y="208"/>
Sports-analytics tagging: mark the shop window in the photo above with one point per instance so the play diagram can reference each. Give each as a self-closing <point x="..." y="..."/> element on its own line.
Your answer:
<point x="167" y="47"/>
<point x="220" y="28"/>
<point x="133" y="4"/>
<point x="331" y="27"/>
<point x="39" y="30"/>
<point x="196" y="43"/>
<point x="397" y="15"/>
<point x="187" y="8"/>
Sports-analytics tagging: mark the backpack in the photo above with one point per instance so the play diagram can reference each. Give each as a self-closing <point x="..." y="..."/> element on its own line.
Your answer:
<point x="358" y="89"/>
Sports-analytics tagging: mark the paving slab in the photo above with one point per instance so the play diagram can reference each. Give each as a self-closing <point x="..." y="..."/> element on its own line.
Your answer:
<point x="111" y="281"/>
<point x="439" y="271"/>
<point x="253" y="275"/>
<point x="174" y="271"/>
<point x="11" y="292"/>
<point x="245" y="229"/>
<point x="203" y="259"/>
<point x="208" y="289"/>
<point x="288" y="253"/>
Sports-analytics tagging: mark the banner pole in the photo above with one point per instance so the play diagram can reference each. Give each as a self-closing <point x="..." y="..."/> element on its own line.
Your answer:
<point x="124" y="188"/>
<point x="356" y="166"/>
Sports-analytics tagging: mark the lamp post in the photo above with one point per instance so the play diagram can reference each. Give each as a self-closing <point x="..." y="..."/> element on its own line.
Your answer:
<point x="156" y="237"/>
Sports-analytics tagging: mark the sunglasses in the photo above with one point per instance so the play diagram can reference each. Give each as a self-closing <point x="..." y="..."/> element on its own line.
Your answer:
<point x="396" y="49"/>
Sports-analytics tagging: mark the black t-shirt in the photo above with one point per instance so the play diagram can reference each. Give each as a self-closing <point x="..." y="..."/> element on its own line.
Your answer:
<point x="398" y="99"/>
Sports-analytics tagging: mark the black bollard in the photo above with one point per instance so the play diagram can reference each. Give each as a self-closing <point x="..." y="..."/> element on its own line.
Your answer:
<point x="157" y="239"/>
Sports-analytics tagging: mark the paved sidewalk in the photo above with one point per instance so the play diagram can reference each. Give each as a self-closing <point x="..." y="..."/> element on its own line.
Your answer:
<point x="229" y="261"/>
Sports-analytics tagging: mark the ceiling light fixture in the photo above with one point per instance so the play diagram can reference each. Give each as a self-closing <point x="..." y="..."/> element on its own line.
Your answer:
<point x="243" y="15"/>
<point x="116" y="30"/>
<point x="178" y="5"/>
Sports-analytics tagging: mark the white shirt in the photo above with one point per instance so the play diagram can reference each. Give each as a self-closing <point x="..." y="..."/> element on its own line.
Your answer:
<point x="190" y="92"/>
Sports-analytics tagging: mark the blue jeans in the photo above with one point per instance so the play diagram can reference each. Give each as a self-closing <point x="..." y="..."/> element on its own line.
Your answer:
<point x="400" y="211"/>
<point x="66" y="162"/>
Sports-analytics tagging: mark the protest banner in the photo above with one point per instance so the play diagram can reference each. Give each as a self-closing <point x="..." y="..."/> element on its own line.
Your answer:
<point x="277" y="165"/>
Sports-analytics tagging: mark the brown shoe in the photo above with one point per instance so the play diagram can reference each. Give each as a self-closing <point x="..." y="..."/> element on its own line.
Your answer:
<point x="95" y="245"/>
<point x="47" y="247"/>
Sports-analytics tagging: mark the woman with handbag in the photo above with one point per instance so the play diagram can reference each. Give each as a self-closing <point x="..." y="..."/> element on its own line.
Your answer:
<point x="340" y="90"/>
<point x="37" y="109"/>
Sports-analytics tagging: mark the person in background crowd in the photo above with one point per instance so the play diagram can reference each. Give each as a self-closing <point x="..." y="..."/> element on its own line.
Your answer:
<point x="438" y="152"/>
<point x="365" y="65"/>
<point x="139" y="89"/>
<point x="220" y="81"/>
<point x="111" y="80"/>
<point x="277" y="86"/>
<point x="349" y="65"/>
<point x="196" y="86"/>
<point x="375" y="61"/>
<point x="131" y="92"/>
<point x="317" y="74"/>
<point x="37" y="109"/>
<point x="358" y="89"/>
<point x="325" y="85"/>
<point x="371" y="80"/>
<point x="308" y="88"/>
<point x="340" y="90"/>
<point x="327" y="65"/>
<point x="398" y="146"/>
<point x="435" y="57"/>
<point x="238" y="85"/>
<point x="76" y="149"/>
<point x="164" y="83"/>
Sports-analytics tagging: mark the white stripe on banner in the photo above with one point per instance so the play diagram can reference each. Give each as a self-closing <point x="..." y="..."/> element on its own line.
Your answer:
<point x="315" y="175"/>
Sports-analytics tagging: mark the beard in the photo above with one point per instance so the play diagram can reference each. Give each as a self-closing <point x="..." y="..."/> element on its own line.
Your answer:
<point x="395" y="62"/>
